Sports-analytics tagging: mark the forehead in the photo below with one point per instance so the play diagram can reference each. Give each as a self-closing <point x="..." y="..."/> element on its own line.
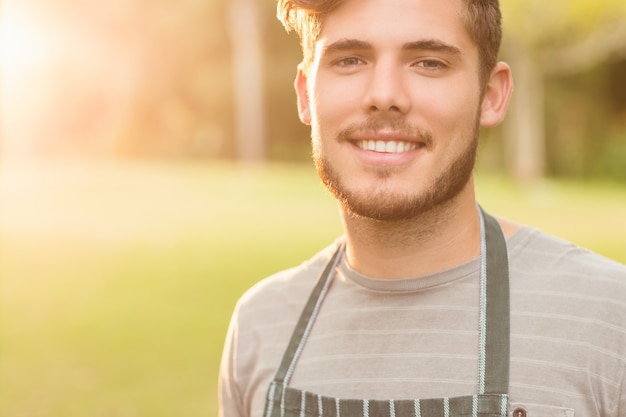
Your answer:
<point x="389" y="22"/>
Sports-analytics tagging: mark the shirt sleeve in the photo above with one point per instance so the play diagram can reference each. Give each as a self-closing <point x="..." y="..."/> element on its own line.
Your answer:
<point x="229" y="393"/>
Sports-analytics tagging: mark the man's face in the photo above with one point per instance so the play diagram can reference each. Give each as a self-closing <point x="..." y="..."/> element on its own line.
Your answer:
<point x="393" y="100"/>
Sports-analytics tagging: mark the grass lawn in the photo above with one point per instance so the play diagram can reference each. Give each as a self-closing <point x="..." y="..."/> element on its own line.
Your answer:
<point x="118" y="279"/>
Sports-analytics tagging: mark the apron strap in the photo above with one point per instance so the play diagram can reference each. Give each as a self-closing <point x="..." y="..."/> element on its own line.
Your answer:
<point x="307" y="318"/>
<point x="495" y="379"/>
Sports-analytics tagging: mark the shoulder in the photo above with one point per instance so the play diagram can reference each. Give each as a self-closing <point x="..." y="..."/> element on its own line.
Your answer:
<point x="284" y="292"/>
<point x="260" y="328"/>
<point x="551" y="277"/>
<point x="534" y="250"/>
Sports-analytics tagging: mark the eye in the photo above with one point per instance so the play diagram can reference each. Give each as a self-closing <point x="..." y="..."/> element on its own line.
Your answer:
<point x="431" y="64"/>
<point x="350" y="61"/>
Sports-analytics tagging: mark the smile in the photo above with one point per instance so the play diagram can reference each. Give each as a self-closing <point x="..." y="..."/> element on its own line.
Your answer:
<point x="390" y="146"/>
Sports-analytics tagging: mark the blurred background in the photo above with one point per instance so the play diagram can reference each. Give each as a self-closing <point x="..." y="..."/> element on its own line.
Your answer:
<point x="212" y="79"/>
<point x="152" y="167"/>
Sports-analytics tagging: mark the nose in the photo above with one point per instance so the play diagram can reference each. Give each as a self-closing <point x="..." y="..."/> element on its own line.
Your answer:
<point x="387" y="90"/>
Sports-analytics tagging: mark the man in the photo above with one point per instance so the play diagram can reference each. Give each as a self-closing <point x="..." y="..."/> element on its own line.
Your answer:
<point x="409" y="314"/>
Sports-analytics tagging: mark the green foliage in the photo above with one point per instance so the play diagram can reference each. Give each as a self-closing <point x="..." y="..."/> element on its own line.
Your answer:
<point x="611" y="162"/>
<point x="586" y="133"/>
<point x="558" y="22"/>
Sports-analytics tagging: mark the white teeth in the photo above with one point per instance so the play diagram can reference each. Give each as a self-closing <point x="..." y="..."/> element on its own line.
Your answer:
<point x="386" y="147"/>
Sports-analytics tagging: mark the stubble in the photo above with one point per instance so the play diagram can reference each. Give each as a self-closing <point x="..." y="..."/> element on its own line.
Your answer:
<point x="384" y="204"/>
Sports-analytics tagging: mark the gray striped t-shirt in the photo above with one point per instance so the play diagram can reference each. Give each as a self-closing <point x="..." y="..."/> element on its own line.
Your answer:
<point x="418" y="338"/>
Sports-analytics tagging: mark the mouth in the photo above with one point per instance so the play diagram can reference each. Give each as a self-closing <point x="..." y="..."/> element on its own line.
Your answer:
<point x="389" y="146"/>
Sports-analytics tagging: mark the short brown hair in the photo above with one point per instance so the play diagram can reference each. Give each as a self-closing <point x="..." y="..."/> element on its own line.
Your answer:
<point x="482" y="19"/>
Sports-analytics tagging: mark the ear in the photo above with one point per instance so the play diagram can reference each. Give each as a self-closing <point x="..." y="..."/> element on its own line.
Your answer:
<point x="304" y="106"/>
<point x="496" y="95"/>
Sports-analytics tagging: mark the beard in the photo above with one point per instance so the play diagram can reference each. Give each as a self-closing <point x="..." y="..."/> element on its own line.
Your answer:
<point x="381" y="202"/>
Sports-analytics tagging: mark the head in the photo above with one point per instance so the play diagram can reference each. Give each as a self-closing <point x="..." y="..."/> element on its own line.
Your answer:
<point x="395" y="92"/>
<point x="482" y="20"/>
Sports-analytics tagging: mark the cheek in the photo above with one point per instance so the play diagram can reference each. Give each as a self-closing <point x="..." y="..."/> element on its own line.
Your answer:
<point x="335" y="96"/>
<point x="330" y="113"/>
<point x="449" y="110"/>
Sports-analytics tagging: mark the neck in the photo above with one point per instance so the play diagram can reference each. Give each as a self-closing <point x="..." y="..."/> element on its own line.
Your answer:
<point x="439" y="239"/>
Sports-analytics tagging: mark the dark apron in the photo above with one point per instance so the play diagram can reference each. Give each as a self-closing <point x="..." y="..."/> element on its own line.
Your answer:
<point x="493" y="367"/>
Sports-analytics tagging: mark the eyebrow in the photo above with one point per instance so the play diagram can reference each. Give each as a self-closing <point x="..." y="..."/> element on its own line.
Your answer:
<point x="346" y="44"/>
<point x="432" y="45"/>
<point x="425" y="45"/>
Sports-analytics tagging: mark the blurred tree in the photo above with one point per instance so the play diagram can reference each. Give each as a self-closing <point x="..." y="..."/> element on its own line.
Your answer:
<point x="288" y="139"/>
<point x="246" y="35"/>
<point x="131" y="78"/>
<point x="552" y="39"/>
<point x="183" y="105"/>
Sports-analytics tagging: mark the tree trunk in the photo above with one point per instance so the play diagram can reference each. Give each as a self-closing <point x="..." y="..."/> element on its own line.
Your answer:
<point x="524" y="128"/>
<point x="247" y="61"/>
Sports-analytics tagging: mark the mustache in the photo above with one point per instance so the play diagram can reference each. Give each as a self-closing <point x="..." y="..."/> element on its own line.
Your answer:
<point x="396" y="125"/>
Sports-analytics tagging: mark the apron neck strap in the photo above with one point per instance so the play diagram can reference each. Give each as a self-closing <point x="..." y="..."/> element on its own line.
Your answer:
<point x="494" y="309"/>
<point x="307" y="319"/>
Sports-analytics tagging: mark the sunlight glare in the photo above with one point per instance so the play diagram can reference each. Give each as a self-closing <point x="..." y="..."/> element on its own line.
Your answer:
<point x="23" y="44"/>
<point x="27" y="45"/>
<point x="67" y="82"/>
